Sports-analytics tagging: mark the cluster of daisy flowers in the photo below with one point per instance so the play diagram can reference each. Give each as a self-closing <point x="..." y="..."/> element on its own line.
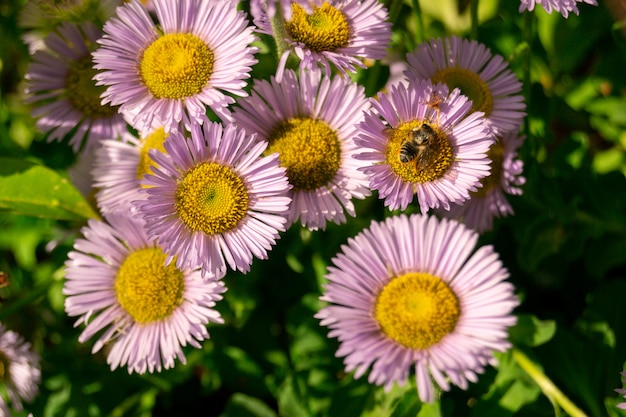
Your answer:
<point x="197" y="172"/>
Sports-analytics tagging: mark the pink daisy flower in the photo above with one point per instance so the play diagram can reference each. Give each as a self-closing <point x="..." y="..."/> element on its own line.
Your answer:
<point x="65" y="97"/>
<point x="340" y="33"/>
<point x="490" y="201"/>
<point x="408" y="294"/>
<point x="119" y="167"/>
<point x="420" y="140"/>
<point x="560" y="6"/>
<point x="310" y="122"/>
<point x="119" y="285"/>
<point x="20" y="372"/>
<point x="197" y="56"/>
<point x="481" y="76"/>
<point x="214" y="200"/>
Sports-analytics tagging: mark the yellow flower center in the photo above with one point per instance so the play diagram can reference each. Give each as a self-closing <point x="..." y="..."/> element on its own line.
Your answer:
<point x="309" y="150"/>
<point x="211" y="198"/>
<point x="146" y="288"/>
<point x="155" y="140"/>
<point x="326" y="29"/>
<point x="417" y="310"/>
<point x="414" y="161"/>
<point x="470" y="85"/>
<point x="491" y="181"/>
<point x="83" y="93"/>
<point x="176" y="66"/>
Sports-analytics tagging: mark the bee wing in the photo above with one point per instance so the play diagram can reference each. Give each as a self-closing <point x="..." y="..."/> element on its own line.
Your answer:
<point x="424" y="160"/>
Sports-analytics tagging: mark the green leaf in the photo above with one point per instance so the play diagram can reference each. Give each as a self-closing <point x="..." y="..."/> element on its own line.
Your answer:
<point x="34" y="190"/>
<point x="531" y="331"/>
<point x="410" y="405"/>
<point x="290" y="402"/>
<point x="430" y="410"/>
<point x="511" y="390"/>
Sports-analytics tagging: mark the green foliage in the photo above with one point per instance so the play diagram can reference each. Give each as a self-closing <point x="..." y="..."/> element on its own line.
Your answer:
<point x="30" y="189"/>
<point x="565" y="249"/>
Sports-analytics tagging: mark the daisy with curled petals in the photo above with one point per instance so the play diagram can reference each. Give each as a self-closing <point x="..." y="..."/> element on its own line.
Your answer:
<point x="120" y="166"/>
<point x="560" y="6"/>
<point x="199" y="52"/>
<point x="20" y="372"/>
<point x="213" y="199"/>
<point x="408" y="294"/>
<point x="310" y="122"/>
<point x="420" y="140"/>
<point x="120" y="286"/>
<point x="325" y="32"/>
<point x="490" y="201"/>
<point x="481" y="76"/>
<point x="60" y="86"/>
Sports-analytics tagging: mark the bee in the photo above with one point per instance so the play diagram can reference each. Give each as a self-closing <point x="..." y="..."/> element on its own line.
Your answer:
<point x="418" y="146"/>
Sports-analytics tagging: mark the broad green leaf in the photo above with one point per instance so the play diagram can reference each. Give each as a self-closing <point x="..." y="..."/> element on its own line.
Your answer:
<point x="608" y="160"/>
<point x="410" y="405"/>
<point x="290" y="401"/>
<point x="531" y="331"/>
<point x="430" y="410"/>
<point x="386" y="403"/>
<point x="30" y="189"/>
<point x="511" y="390"/>
<point x="351" y="398"/>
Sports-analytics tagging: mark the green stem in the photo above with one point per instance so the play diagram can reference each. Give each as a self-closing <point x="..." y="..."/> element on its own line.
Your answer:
<point x="548" y="388"/>
<point x="474" y="18"/>
<point x="419" y="22"/>
<point x="371" y="84"/>
<point x="278" y="29"/>
<point x="394" y="10"/>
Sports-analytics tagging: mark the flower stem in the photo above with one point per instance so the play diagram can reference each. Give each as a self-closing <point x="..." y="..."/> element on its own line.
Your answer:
<point x="278" y="29"/>
<point x="474" y="18"/>
<point x="419" y="21"/>
<point x="548" y="388"/>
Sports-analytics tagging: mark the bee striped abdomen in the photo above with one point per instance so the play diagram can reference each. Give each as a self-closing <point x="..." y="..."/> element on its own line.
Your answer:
<point x="409" y="151"/>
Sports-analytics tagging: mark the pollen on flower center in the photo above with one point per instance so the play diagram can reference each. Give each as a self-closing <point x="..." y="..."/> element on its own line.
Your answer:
<point x="417" y="310"/>
<point x="326" y="29"/>
<point x="155" y="140"/>
<point x="496" y="156"/>
<point x="176" y="66"/>
<point x="83" y="93"/>
<point x="427" y="161"/>
<point x="211" y="198"/>
<point x="309" y="150"/>
<point x="146" y="288"/>
<point x="470" y="85"/>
